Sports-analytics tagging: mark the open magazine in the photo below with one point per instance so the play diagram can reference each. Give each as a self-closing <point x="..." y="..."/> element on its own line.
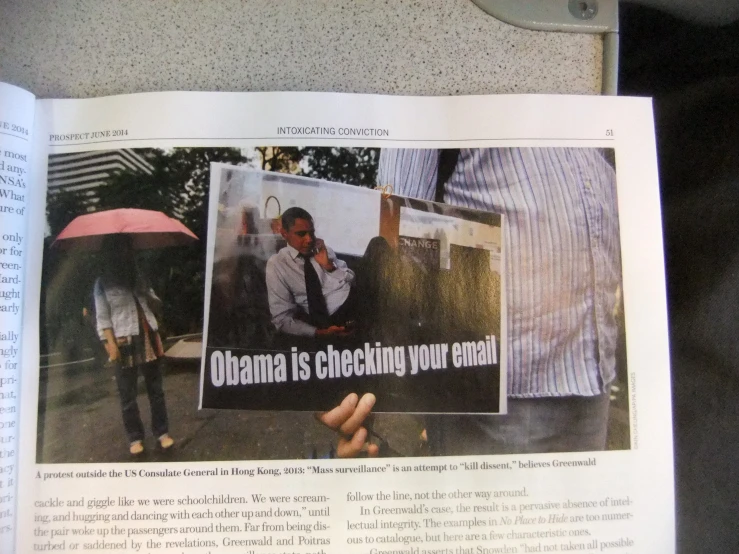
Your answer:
<point x="307" y="322"/>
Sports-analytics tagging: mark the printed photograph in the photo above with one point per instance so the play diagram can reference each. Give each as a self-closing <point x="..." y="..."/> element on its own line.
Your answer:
<point x="124" y="317"/>
<point x="321" y="289"/>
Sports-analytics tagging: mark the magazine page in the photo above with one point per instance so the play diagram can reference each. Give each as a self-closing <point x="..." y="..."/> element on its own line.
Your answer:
<point x="305" y="322"/>
<point x="16" y="123"/>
